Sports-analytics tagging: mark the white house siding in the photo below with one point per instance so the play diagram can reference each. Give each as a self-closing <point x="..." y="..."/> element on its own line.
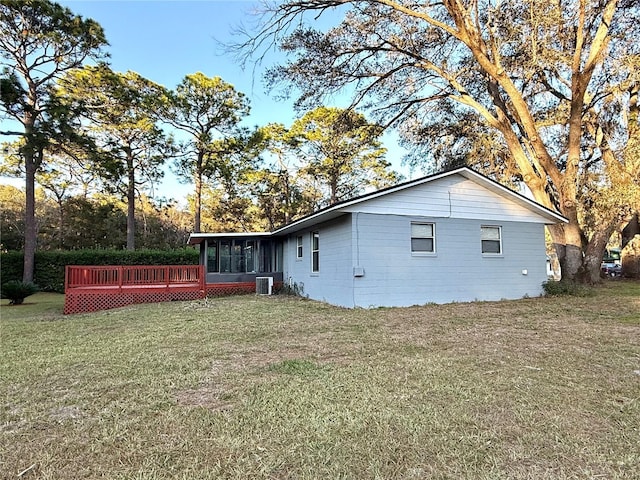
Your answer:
<point x="333" y="282"/>
<point x="458" y="271"/>
<point x="454" y="197"/>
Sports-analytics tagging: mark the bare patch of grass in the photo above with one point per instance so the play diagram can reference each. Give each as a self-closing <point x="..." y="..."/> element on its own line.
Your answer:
<point x="280" y="387"/>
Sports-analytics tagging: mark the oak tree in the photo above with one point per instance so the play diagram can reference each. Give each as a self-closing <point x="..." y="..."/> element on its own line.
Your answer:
<point x="552" y="85"/>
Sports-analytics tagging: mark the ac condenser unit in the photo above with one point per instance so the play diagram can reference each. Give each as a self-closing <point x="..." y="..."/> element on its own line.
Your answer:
<point x="264" y="285"/>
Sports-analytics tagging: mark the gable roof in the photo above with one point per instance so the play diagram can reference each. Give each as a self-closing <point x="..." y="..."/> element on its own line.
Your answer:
<point x="337" y="209"/>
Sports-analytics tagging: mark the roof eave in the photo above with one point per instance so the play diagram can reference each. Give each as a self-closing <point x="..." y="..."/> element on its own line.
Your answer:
<point x="197" y="238"/>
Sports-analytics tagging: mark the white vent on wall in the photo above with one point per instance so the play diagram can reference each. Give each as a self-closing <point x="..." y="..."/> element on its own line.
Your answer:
<point x="264" y="285"/>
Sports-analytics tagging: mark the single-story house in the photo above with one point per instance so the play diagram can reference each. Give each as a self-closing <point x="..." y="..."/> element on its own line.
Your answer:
<point x="455" y="236"/>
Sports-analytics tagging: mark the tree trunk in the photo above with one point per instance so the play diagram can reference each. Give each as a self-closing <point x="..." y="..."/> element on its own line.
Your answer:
<point x="631" y="248"/>
<point x="197" y="203"/>
<point x="631" y="258"/>
<point x="131" y="206"/>
<point x="333" y="188"/>
<point x="593" y="256"/>
<point x="60" y="202"/>
<point x="287" y="197"/>
<point x="567" y="241"/>
<point x="29" y="217"/>
<point x="631" y="229"/>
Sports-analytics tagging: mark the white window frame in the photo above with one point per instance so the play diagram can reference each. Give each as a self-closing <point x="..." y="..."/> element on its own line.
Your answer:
<point x="299" y="247"/>
<point x="432" y="238"/>
<point x="315" y="252"/>
<point x="499" y="240"/>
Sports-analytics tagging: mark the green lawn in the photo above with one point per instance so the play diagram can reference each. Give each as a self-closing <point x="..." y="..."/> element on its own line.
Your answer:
<point x="285" y="388"/>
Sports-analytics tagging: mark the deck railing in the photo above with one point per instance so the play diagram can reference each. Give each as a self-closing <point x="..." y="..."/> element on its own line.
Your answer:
<point x="92" y="288"/>
<point x="129" y="276"/>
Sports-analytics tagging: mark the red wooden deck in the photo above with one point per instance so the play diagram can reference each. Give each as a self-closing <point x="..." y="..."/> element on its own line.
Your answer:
<point x="92" y="288"/>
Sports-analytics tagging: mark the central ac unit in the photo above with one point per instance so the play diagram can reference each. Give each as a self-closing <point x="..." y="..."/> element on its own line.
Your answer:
<point x="264" y="285"/>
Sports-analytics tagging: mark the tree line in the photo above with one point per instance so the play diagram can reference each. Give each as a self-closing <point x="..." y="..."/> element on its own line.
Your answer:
<point x="544" y="93"/>
<point x="77" y="222"/>
<point x="84" y="129"/>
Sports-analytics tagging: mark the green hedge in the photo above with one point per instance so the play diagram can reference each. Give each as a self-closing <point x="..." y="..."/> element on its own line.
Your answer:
<point x="49" y="265"/>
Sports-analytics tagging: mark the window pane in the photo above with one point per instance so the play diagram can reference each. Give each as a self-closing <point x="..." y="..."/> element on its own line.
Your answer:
<point x="212" y="256"/>
<point x="250" y="256"/>
<point x="490" y="233"/>
<point x="422" y="237"/>
<point x="490" y="246"/>
<point x="237" y="257"/>
<point x="225" y="256"/>
<point x="315" y="254"/>
<point x="422" y="244"/>
<point x="299" y="247"/>
<point x="265" y="249"/>
<point x="421" y="230"/>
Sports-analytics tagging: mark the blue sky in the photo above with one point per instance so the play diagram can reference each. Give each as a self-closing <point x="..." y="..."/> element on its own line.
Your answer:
<point x="166" y="40"/>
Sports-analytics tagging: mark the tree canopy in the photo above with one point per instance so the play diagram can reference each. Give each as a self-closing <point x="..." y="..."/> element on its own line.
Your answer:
<point x="120" y="109"/>
<point x="537" y="91"/>
<point x="341" y="153"/>
<point x="532" y="91"/>
<point x="39" y="42"/>
<point x="208" y="110"/>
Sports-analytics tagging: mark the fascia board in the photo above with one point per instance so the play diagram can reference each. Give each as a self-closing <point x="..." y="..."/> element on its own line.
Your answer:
<point x="196" y="238"/>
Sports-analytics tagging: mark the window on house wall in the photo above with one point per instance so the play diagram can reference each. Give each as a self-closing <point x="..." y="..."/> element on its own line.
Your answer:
<point x="423" y="238"/>
<point x="491" y="238"/>
<point x="315" y="251"/>
<point x="299" y="247"/>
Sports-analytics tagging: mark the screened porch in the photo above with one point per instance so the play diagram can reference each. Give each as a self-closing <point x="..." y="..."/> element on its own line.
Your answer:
<point x="239" y="257"/>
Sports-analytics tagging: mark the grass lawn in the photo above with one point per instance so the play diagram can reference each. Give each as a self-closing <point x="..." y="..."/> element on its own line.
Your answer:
<point x="286" y="388"/>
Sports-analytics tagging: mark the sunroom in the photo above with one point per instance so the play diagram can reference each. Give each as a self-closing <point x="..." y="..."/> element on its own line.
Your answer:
<point x="233" y="261"/>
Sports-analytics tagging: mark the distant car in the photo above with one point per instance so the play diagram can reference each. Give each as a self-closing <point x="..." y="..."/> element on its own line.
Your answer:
<point x="610" y="266"/>
<point x="610" y="270"/>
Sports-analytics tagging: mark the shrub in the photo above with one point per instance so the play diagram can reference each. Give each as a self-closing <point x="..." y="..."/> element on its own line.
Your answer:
<point x="17" y="291"/>
<point x="294" y="289"/>
<point x="555" y="288"/>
